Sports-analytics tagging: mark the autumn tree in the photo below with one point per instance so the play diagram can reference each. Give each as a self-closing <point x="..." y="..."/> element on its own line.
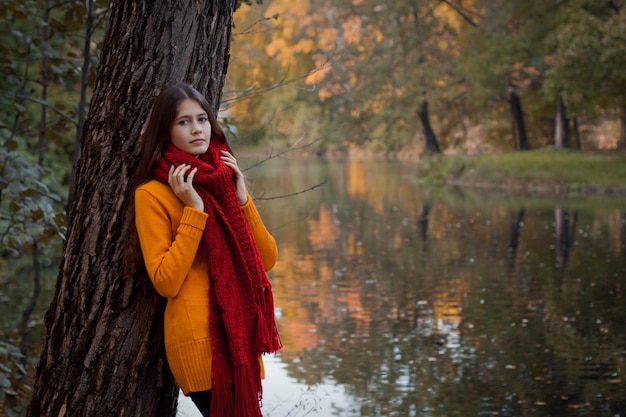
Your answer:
<point x="524" y="72"/>
<point x="502" y="59"/>
<point x="277" y="47"/>
<point x="371" y="67"/>
<point x="402" y="67"/>
<point x="103" y="351"/>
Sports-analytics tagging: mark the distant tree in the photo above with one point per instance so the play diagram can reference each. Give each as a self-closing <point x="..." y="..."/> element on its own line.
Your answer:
<point x="519" y="133"/>
<point x="103" y="352"/>
<point x="561" y="126"/>
<point x="502" y="57"/>
<point x="432" y="144"/>
<point x="587" y="61"/>
<point x="403" y="65"/>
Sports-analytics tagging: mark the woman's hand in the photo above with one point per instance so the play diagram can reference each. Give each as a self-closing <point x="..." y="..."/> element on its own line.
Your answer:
<point x="231" y="162"/>
<point x="182" y="185"/>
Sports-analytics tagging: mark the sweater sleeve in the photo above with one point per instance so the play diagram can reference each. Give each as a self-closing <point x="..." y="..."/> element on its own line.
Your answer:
<point x="265" y="242"/>
<point x="168" y="257"/>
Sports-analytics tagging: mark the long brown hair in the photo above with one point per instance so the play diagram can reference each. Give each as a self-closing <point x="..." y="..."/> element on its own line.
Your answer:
<point x="154" y="137"/>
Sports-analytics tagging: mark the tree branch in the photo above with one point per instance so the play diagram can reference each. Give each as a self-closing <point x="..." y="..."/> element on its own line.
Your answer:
<point x="44" y="103"/>
<point x="460" y="12"/>
<point x="311" y="188"/>
<point x="276" y="155"/>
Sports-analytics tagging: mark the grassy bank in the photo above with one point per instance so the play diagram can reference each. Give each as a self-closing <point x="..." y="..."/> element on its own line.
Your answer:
<point x="547" y="171"/>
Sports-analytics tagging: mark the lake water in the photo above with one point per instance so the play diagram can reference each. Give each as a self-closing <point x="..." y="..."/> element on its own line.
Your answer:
<point x="393" y="299"/>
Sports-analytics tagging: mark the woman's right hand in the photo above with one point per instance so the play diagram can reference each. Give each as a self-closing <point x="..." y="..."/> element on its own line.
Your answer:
<point x="183" y="187"/>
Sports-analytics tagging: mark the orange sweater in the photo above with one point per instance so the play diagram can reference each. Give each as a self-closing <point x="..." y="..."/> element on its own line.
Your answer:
<point x="170" y="234"/>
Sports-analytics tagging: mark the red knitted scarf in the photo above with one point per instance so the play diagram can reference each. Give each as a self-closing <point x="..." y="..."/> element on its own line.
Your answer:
<point x="242" y="323"/>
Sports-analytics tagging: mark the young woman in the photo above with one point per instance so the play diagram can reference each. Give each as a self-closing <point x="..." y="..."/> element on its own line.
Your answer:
<point x="207" y="251"/>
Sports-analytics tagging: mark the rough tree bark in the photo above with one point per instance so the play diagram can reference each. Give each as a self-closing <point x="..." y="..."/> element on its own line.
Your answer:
<point x="102" y="354"/>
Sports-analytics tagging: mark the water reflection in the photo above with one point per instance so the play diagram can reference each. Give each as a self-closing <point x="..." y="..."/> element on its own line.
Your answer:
<point x="442" y="302"/>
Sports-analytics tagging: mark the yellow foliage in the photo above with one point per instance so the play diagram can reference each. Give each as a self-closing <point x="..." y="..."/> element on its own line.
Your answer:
<point x="352" y="30"/>
<point x="288" y="40"/>
<point x="326" y="39"/>
<point x="378" y="36"/>
<point x="317" y="75"/>
<point x="450" y="16"/>
<point x="324" y="93"/>
<point x="329" y="90"/>
<point x="353" y="78"/>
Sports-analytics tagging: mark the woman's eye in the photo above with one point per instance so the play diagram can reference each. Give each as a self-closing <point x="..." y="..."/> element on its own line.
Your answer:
<point x="183" y="122"/>
<point x="203" y="119"/>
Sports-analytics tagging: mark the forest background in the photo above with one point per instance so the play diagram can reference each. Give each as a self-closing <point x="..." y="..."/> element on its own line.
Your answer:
<point x="397" y="79"/>
<point x="479" y="76"/>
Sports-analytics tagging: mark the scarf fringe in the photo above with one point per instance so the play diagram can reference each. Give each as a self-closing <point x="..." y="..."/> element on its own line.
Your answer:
<point x="267" y="332"/>
<point x="244" y="383"/>
<point x="222" y="399"/>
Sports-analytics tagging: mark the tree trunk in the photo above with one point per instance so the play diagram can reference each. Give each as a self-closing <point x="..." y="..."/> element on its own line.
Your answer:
<point x="431" y="139"/>
<point x="623" y="234"/>
<point x="576" y="131"/>
<point x="518" y="118"/>
<point x="103" y="351"/>
<point x="621" y="142"/>
<point x="561" y="124"/>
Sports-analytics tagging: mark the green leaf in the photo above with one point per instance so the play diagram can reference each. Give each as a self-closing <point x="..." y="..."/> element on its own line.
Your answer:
<point x="37" y="214"/>
<point x="14" y="206"/>
<point x="4" y="381"/>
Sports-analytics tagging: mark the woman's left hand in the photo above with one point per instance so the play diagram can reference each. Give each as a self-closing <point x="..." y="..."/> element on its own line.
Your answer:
<point x="231" y="162"/>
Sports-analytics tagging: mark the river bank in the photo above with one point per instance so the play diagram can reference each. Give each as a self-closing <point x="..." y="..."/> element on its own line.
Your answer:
<point x="546" y="171"/>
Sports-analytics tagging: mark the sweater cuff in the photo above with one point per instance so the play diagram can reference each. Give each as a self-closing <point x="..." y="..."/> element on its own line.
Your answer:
<point x="193" y="222"/>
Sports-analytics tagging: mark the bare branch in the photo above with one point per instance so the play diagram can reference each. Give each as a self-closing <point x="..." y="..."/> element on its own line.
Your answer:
<point x="251" y="92"/>
<point x="44" y="103"/>
<point x="249" y="29"/>
<point x="292" y="148"/>
<point x="311" y="188"/>
<point x="462" y="13"/>
<point x="272" y="155"/>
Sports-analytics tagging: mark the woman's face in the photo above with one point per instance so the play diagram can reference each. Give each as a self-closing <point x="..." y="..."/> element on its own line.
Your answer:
<point x="191" y="130"/>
